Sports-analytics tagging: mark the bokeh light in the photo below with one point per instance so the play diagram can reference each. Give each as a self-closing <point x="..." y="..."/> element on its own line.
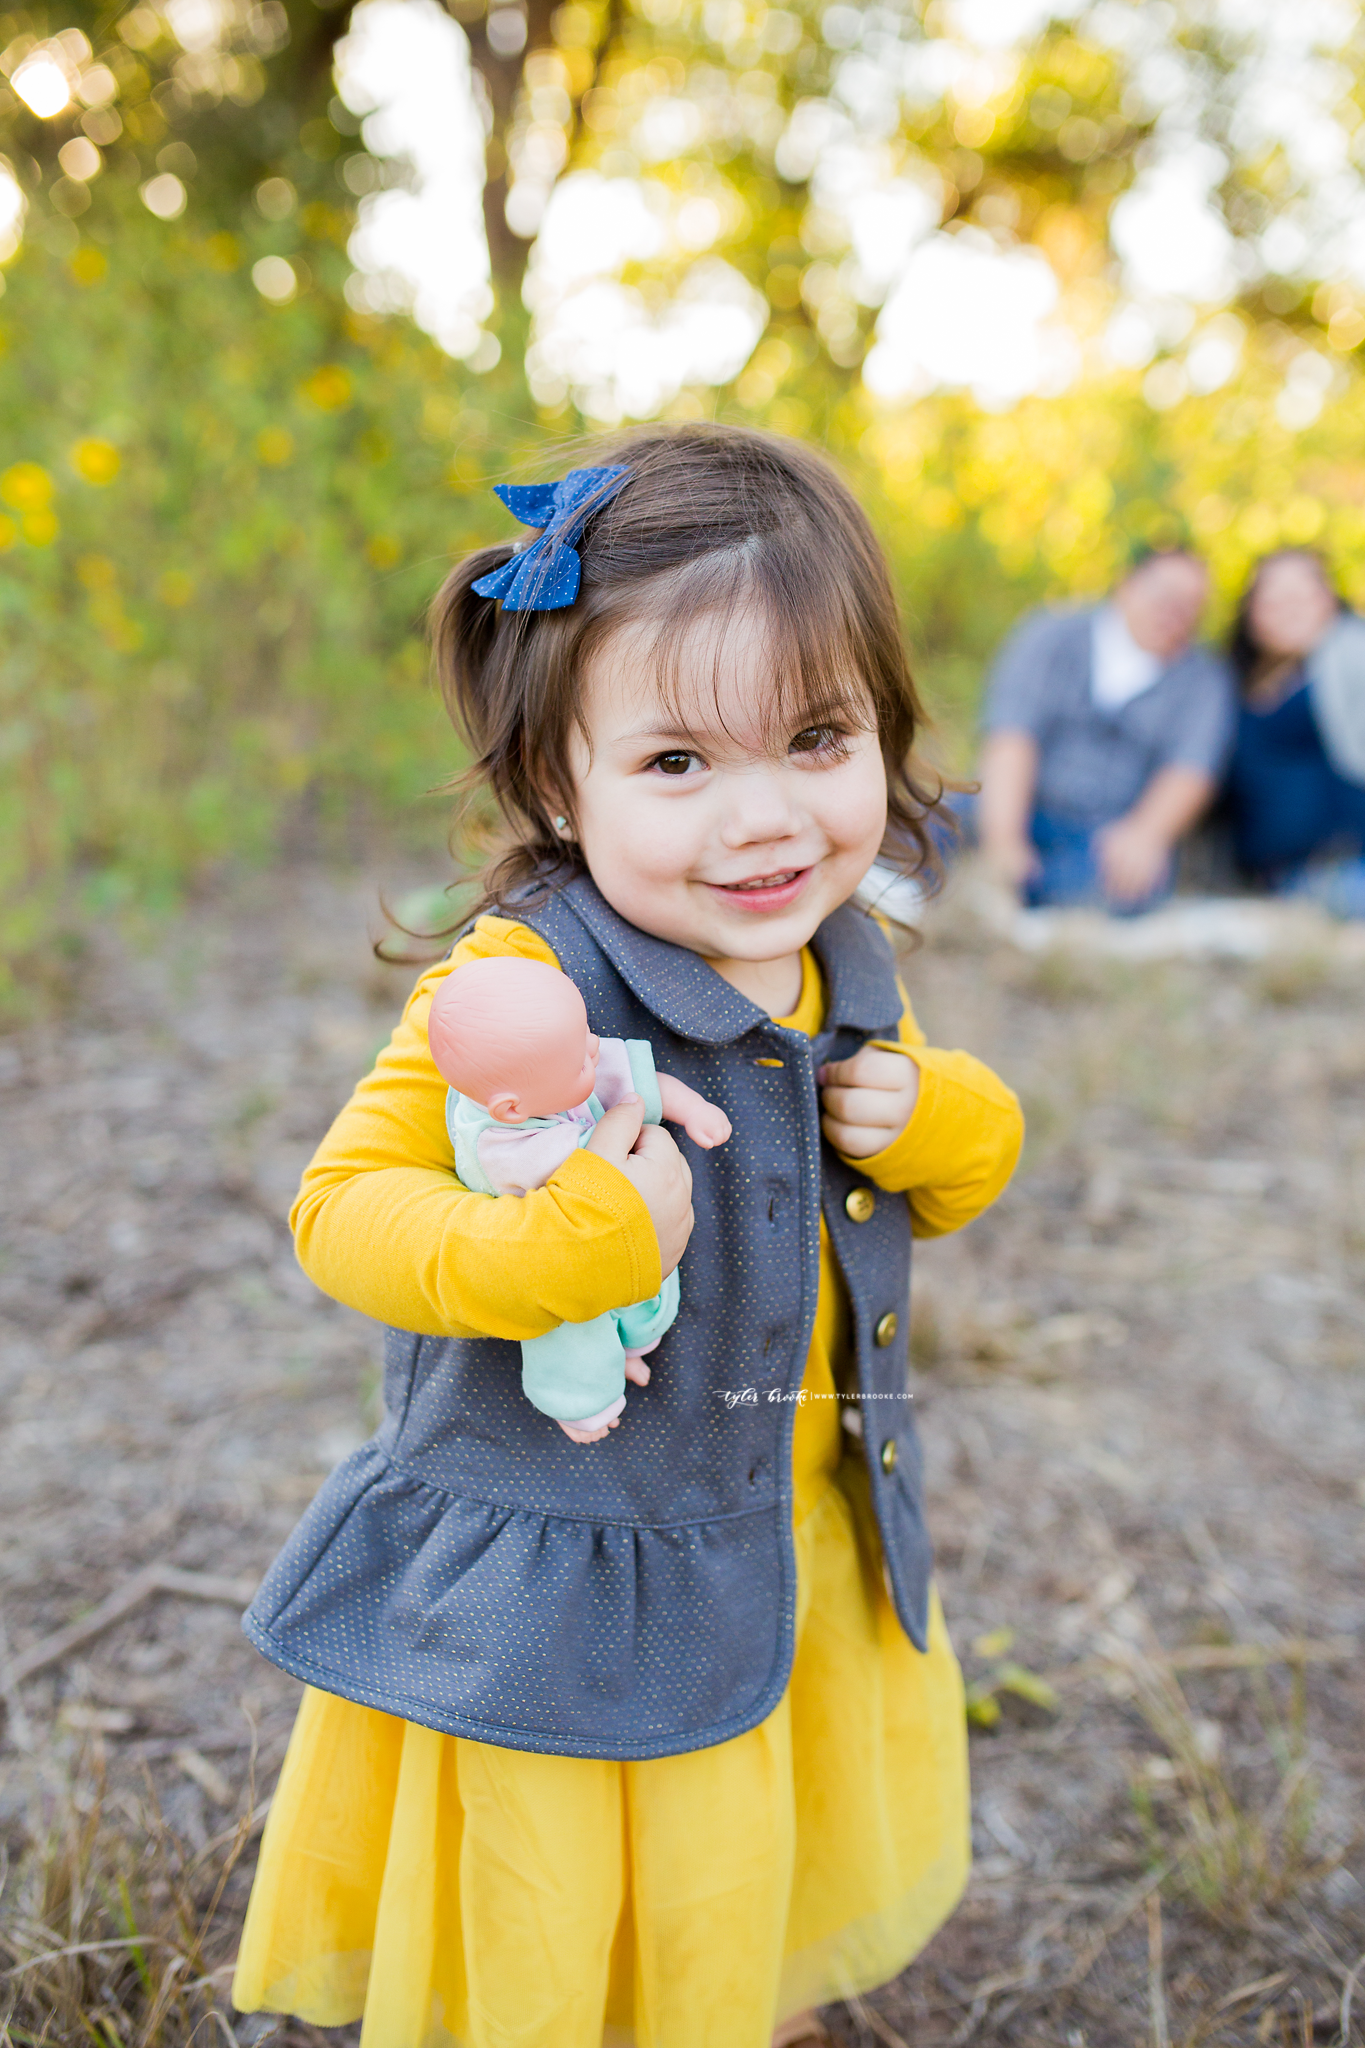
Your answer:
<point x="404" y="67"/>
<point x="275" y="279"/>
<point x="165" y="196"/>
<point x="42" y="85"/>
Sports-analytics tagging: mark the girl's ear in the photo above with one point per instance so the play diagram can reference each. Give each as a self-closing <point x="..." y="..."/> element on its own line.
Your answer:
<point x="559" y="817"/>
<point x="505" y="1107"/>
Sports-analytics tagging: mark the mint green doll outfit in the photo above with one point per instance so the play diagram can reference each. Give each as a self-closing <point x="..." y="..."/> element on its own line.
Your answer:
<point x="577" y="1371"/>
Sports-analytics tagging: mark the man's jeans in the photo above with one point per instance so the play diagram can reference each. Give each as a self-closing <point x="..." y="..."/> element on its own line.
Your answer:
<point x="1068" y="871"/>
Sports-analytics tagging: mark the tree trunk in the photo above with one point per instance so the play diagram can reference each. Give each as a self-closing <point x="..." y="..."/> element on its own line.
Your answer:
<point x="503" y="80"/>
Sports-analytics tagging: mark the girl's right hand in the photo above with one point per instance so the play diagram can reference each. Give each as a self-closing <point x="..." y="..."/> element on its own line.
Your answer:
<point x="655" y="1168"/>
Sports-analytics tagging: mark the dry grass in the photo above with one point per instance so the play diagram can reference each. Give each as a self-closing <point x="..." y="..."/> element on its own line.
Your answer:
<point x="1139" y="1384"/>
<point x="1220" y="1931"/>
<point x="112" y="1928"/>
<point x="1140" y="1395"/>
<point x="1237" y="1844"/>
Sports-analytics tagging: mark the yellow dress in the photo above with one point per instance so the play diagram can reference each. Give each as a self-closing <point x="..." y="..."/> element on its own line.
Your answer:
<point x="461" y="1895"/>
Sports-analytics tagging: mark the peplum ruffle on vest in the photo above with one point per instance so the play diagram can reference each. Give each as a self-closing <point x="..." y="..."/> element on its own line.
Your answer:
<point x="533" y="1631"/>
<point x="473" y="1571"/>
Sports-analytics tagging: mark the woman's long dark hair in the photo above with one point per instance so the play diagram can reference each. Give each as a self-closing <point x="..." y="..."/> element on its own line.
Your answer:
<point x="1245" y="652"/>
<point x="712" y="519"/>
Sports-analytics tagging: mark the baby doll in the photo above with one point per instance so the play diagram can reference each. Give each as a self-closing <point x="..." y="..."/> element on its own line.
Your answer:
<point x="528" y="1084"/>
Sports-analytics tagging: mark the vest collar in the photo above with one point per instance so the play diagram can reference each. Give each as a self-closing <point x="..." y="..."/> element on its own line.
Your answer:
<point x="860" y="973"/>
<point x="683" y="992"/>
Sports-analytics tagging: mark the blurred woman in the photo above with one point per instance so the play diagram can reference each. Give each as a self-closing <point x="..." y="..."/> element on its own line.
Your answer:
<point x="1297" y="779"/>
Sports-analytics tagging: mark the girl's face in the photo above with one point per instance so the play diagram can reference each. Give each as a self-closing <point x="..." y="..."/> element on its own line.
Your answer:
<point x="1291" y="606"/>
<point x="698" y="822"/>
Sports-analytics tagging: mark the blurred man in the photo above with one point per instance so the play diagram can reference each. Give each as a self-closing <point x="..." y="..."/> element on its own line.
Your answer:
<point x="1106" y="734"/>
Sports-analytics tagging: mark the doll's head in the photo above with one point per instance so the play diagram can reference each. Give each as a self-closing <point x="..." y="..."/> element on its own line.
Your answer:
<point x="719" y="726"/>
<point x="513" y="1035"/>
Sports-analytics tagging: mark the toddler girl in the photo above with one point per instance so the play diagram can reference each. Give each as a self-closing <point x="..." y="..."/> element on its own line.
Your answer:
<point x="657" y="1740"/>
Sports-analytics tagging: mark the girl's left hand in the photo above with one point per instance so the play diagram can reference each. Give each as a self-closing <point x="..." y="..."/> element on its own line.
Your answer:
<point x="867" y="1101"/>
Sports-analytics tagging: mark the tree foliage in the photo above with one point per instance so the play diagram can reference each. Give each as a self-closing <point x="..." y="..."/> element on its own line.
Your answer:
<point x="221" y="516"/>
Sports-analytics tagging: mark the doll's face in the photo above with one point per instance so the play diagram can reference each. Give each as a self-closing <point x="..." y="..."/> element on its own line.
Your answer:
<point x="698" y="823"/>
<point x="560" y="1076"/>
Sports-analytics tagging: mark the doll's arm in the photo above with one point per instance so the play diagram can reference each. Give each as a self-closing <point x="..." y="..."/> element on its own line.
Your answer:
<point x="705" y="1124"/>
<point x="626" y="1066"/>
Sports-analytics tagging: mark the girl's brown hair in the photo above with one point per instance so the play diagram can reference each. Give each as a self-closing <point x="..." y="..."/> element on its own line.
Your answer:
<point x="710" y="519"/>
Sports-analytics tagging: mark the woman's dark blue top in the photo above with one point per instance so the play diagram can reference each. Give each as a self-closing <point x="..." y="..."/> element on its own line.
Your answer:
<point x="1288" y="802"/>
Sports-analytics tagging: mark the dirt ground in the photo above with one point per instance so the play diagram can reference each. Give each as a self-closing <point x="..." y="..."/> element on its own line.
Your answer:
<point x="1140" y="1385"/>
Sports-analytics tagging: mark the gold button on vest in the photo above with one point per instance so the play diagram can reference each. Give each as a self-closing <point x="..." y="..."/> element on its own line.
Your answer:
<point x="860" y="1204"/>
<point x="886" y="1329"/>
<point x="889" y="1455"/>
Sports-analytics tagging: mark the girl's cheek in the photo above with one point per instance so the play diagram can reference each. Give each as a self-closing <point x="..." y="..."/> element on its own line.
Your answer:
<point x="664" y="842"/>
<point x="859" y="803"/>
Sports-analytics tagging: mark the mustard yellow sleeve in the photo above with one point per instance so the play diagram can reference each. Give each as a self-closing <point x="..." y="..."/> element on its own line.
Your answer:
<point x="962" y="1142"/>
<point x="382" y="1223"/>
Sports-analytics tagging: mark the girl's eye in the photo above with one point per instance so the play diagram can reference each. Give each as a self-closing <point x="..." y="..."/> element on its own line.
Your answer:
<point x="676" y="762"/>
<point x="819" y="739"/>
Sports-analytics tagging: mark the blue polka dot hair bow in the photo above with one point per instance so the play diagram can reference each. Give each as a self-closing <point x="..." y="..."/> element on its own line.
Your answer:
<point x="544" y="576"/>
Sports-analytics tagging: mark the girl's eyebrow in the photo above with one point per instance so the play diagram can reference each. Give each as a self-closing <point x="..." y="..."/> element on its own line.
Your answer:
<point x="647" y="734"/>
<point x="675" y="735"/>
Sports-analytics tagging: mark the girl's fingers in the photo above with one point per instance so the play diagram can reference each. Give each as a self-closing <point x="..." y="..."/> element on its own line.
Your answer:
<point x="654" y="1146"/>
<point x="873" y="1067"/>
<point x="860" y="1105"/>
<point x="858" y="1142"/>
<point x="619" y="1130"/>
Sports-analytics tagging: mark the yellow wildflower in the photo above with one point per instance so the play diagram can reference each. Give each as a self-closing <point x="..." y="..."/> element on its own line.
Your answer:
<point x="27" y="487"/>
<point x="329" y="387"/>
<point x="97" y="461"/>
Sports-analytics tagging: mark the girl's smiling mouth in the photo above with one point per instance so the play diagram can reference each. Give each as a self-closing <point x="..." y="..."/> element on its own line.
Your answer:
<point x="764" y="892"/>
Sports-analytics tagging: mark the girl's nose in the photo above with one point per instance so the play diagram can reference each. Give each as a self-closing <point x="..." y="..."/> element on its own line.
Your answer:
<point x="759" y="809"/>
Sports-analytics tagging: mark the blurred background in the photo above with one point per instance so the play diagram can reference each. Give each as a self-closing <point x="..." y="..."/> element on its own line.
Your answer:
<point x="288" y="285"/>
<point x="286" y="288"/>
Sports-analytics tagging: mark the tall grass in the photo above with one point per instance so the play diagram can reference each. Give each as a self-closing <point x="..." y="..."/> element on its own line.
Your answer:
<point x="220" y="523"/>
<point x="112" y="1933"/>
<point x="1238" y="1842"/>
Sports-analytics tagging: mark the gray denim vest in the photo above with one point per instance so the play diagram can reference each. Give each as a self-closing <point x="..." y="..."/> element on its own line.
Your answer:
<point x="473" y="1570"/>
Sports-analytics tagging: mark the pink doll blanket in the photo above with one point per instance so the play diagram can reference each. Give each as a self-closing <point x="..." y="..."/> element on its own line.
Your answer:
<point x="494" y="1158"/>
